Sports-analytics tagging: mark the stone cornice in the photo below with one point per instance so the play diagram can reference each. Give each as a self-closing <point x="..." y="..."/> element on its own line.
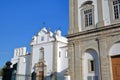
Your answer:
<point x="96" y="30"/>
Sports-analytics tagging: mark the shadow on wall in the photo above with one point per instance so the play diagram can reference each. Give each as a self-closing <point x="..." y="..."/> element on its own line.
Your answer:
<point x="61" y="74"/>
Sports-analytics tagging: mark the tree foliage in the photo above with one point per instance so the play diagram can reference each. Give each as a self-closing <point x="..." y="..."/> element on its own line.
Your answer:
<point x="1" y="72"/>
<point x="7" y="65"/>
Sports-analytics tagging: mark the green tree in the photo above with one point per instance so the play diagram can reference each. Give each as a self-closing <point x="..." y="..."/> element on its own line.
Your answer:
<point x="1" y="72"/>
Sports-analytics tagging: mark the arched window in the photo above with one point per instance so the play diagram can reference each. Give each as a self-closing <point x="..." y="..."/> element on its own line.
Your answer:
<point x="116" y="7"/>
<point x="59" y="54"/>
<point x="42" y="38"/>
<point x="88" y="17"/>
<point x="87" y="13"/>
<point x="91" y="65"/>
<point x="41" y="53"/>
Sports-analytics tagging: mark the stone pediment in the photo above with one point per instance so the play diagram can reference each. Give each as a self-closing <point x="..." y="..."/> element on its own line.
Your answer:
<point x="43" y="35"/>
<point x="46" y="36"/>
<point x="43" y="31"/>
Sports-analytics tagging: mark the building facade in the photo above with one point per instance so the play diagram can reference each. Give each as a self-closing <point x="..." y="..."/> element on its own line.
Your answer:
<point x="94" y="39"/>
<point x="22" y="61"/>
<point x="48" y="58"/>
<point x="49" y="55"/>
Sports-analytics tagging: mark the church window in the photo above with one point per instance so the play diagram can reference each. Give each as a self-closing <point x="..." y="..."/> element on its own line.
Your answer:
<point x="59" y="54"/>
<point x="42" y="53"/>
<point x="88" y="17"/>
<point x="42" y="38"/>
<point x="91" y="65"/>
<point x="116" y="7"/>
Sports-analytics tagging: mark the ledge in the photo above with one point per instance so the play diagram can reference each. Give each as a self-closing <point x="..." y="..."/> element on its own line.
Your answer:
<point x="100" y="29"/>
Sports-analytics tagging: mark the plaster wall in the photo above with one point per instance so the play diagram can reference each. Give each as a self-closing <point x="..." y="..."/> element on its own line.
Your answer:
<point x="106" y="12"/>
<point x="48" y="55"/>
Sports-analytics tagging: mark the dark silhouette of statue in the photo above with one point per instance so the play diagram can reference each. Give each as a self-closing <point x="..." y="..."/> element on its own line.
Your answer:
<point x="33" y="76"/>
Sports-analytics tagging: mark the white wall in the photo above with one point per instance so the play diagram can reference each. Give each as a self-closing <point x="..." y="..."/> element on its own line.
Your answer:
<point x="28" y="64"/>
<point x="21" y="57"/>
<point x="62" y="60"/>
<point x="20" y="51"/>
<point x="48" y="55"/>
<point x="115" y="49"/>
<point x="17" y="53"/>
<point x="106" y="13"/>
<point x="21" y="67"/>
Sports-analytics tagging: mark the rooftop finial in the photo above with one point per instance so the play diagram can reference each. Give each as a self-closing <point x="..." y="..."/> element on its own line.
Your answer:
<point x="48" y="29"/>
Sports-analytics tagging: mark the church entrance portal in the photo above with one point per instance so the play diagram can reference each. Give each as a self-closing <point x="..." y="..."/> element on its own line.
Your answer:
<point x="40" y="75"/>
<point x="116" y="67"/>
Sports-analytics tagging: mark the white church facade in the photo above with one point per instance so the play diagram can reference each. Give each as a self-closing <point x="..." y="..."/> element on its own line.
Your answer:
<point x="94" y="40"/>
<point x="51" y="50"/>
<point x="48" y="56"/>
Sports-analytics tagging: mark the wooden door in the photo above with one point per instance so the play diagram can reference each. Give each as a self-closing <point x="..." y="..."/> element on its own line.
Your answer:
<point x="116" y="67"/>
<point x="40" y="75"/>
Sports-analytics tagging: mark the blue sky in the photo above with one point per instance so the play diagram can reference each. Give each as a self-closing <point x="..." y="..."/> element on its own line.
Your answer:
<point x="21" y="19"/>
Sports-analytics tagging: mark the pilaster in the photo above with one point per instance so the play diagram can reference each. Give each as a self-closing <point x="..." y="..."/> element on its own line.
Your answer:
<point x="76" y="28"/>
<point x="78" y="61"/>
<point x="73" y="14"/>
<point x="71" y="8"/>
<point x="55" y="49"/>
<point x="105" y="65"/>
<point x="100" y="14"/>
<point x="71" y="59"/>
